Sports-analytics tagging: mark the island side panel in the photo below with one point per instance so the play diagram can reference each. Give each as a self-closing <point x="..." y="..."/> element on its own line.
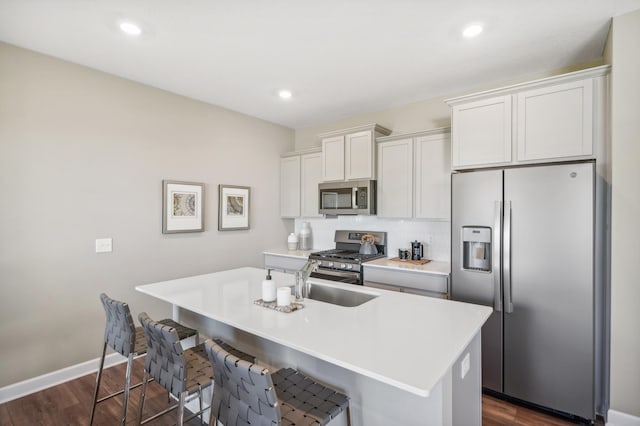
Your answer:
<point x="373" y="403"/>
<point x="467" y="391"/>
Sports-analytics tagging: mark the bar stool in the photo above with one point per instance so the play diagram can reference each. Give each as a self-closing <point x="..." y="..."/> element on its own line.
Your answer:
<point x="129" y="341"/>
<point x="249" y="393"/>
<point x="181" y="372"/>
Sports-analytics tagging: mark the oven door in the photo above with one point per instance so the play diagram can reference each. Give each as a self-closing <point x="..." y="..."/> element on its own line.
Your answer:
<point x="340" y="276"/>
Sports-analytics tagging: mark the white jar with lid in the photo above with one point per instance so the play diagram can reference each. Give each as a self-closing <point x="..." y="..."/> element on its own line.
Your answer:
<point x="305" y="236"/>
<point x="292" y="241"/>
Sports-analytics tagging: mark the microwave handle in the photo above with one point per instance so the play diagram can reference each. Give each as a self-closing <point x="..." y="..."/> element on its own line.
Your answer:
<point x="354" y="197"/>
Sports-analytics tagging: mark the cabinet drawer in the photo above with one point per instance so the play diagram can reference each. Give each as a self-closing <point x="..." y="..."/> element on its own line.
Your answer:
<point x="283" y="263"/>
<point x="410" y="280"/>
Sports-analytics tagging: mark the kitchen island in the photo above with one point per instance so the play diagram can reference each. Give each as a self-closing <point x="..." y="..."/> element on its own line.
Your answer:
<point x="402" y="359"/>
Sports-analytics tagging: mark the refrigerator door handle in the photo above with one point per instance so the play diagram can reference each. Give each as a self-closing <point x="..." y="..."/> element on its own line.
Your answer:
<point x="508" y="308"/>
<point x="497" y="296"/>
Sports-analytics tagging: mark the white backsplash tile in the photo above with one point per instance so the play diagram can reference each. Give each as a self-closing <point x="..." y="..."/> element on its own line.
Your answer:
<point x="435" y="236"/>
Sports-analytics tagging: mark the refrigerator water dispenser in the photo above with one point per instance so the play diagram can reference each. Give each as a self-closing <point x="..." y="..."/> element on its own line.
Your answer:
<point x="476" y="248"/>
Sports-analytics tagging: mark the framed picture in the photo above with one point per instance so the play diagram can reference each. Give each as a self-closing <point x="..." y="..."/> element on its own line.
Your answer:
<point x="233" y="207"/>
<point x="182" y="207"/>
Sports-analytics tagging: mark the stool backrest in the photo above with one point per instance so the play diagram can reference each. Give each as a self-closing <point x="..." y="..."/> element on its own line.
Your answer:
<point x="243" y="391"/>
<point x="119" y="331"/>
<point x="165" y="360"/>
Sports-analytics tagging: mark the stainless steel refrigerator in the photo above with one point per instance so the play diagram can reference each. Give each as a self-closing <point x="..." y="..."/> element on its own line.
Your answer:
<point x="523" y="242"/>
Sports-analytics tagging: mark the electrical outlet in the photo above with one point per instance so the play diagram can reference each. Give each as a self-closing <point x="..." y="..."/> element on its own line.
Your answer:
<point x="104" y="245"/>
<point x="465" y="365"/>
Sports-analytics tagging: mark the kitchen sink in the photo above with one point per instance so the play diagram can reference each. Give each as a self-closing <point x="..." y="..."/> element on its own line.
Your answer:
<point x="338" y="296"/>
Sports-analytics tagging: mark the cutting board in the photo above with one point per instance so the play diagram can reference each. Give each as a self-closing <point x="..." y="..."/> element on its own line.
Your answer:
<point x="412" y="262"/>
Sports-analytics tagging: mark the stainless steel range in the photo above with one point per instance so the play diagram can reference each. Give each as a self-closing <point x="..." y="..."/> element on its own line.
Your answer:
<point x="344" y="263"/>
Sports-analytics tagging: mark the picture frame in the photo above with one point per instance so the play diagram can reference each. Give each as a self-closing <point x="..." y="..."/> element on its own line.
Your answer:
<point x="233" y="207"/>
<point x="182" y="207"/>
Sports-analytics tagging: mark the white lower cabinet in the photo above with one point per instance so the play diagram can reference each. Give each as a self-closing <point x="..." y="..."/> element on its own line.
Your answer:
<point x="287" y="264"/>
<point x="414" y="175"/>
<point x="420" y="283"/>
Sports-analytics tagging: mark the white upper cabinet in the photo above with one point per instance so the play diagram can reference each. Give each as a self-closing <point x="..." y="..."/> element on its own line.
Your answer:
<point x="290" y="186"/>
<point x="358" y="156"/>
<point x="395" y="178"/>
<point x="349" y="154"/>
<point x="555" y="122"/>
<point x="482" y="132"/>
<point x="414" y="175"/>
<point x="432" y="156"/>
<point x="311" y="174"/>
<point x="333" y="158"/>
<point x="300" y="173"/>
<point x="554" y="119"/>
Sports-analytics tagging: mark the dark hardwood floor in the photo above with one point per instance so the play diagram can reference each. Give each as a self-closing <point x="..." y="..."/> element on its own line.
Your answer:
<point x="69" y="404"/>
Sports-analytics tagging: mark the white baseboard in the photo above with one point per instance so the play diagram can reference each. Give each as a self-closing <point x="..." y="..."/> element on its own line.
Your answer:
<point x="618" y="418"/>
<point x="35" y="384"/>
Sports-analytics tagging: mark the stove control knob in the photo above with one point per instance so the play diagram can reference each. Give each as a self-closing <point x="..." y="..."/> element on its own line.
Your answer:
<point x="349" y="266"/>
<point x="330" y="265"/>
<point x="342" y="265"/>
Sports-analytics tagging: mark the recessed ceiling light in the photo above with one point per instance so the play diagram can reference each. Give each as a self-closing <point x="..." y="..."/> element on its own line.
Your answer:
<point x="472" y="30"/>
<point x="285" y="94"/>
<point x="130" y="28"/>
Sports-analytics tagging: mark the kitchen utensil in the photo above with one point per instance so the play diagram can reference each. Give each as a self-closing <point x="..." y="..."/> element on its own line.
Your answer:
<point x="367" y="244"/>
<point x="417" y="250"/>
<point x="403" y="254"/>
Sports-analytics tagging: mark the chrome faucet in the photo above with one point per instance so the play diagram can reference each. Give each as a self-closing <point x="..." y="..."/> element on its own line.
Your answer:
<point x="302" y="275"/>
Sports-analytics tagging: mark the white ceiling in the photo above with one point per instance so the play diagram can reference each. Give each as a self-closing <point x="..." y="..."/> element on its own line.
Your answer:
<point x="338" y="57"/>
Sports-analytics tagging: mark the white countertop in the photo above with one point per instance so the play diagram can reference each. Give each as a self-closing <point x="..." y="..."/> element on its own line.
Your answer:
<point x="402" y="340"/>
<point x="434" y="267"/>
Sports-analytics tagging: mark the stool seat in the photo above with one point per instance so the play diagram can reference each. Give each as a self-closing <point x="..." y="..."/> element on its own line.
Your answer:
<point x="181" y="372"/>
<point x="248" y="393"/>
<point x="304" y="401"/>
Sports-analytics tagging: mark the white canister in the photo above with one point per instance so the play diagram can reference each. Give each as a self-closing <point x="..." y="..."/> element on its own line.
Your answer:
<point x="305" y="236"/>
<point x="284" y="296"/>
<point x="292" y="241"/>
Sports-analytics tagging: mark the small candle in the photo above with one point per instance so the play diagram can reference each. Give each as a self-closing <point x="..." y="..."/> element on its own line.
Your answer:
<point x="284" y="296"/>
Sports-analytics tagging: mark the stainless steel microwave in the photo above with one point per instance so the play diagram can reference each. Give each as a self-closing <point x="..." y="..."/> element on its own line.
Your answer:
<point x="356" y="197"/>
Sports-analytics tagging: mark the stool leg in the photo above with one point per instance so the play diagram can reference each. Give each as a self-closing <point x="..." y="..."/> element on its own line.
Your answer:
<point x="145" y="379"/>
<point x="127" y="385"/>
<point x="181" y="408"/>
<point x="200" y="400"/>
<point x="98" y="377"/>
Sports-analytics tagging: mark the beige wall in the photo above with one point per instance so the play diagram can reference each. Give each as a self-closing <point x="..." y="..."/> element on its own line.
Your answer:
<point x="82" y="156"/>
<point x="625" y="240"/>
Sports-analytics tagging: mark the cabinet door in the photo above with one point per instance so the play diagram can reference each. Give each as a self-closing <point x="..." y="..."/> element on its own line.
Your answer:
<point x="395" y="179"/>
<point x="311" y="174"/>
<point x="432" y="177"/>
<point x="333" y="159"/>
<point x="481" y="132"/>
<point x="290" y="186"/>
<point x="359" y="156"/>
<point x="556" y="122"/>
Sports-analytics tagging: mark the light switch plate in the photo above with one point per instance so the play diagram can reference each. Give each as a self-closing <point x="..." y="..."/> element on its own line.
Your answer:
<point x="104" y="245"/>
<point x="465" y="365"/>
